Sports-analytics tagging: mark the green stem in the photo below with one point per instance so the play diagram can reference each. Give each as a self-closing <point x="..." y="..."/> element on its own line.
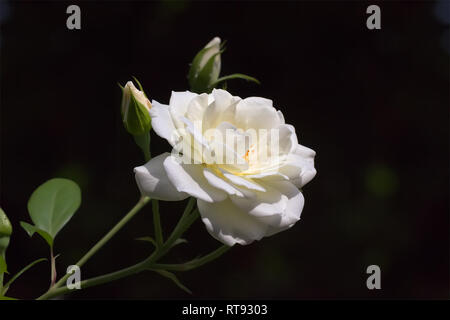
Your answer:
<point x="137" y="268"/>
<point x="141" y="203"/>
<point x="193" y="263"/>
<point x="97" y="280"/>
<point x="184" y="223"/>
<point x="53" y="268"/>
<point x="157" y="223"/>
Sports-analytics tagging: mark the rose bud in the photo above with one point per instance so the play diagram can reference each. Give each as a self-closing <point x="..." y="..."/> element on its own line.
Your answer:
<point x="135" y="110"/>
<point x="205" y="67"/>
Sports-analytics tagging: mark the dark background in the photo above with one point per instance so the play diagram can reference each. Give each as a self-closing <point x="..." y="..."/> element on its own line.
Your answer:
<point x="373" y="104"/>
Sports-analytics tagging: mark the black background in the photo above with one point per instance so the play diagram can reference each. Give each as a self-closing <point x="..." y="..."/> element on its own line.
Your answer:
<point x="373" y="104"/>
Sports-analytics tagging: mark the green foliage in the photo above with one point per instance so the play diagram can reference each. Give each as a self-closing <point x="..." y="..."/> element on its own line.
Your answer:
<point x="31" y="230"/>
<point x="51" y="206"/>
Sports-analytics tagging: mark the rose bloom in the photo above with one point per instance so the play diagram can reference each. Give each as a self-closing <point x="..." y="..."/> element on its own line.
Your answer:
<point x="254" y="195"/>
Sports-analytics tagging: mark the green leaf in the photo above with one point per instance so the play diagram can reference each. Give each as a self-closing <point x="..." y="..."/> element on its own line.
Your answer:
<point x="172" y="277"/>
<point x="52" y="205"/>
<point x="18" y="274"/>
<point x="234" y="76"/>
<point x="30" y="229"/>
<point x="143" y="142"/>
<point x="7" y="298"/>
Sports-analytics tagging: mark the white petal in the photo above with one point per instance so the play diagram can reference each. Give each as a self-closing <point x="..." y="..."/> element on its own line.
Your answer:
<point x="269" y="176"/>
<point x="288" y="139"/>
<point x="153" y="182"/>
<point x="178" y="105"/>
<point x="189" y="178"/>
<point x="199" y="141"/>
<point x="256" y="113"/>
<point x="269" y="203"/>
<point x="221" y="184"/>
<point x="230" y="225"/>
<point x="280" y="206"/>
<point x="281" y="117"/>
<point x="221" y="109"/>
<point x="292" y="211"/>
<point x="240" y="181"/>
<point x="299" y="166"/>
<point x="197" y="107"/>
<point x="162" y="122"/>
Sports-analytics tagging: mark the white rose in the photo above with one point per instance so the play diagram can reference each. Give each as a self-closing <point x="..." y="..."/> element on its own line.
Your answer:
<point x="239" y="201"/>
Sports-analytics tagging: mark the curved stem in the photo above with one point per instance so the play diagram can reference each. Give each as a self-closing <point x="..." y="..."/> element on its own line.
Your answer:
<point x="137" y="268"/>
<point x="195" y="263"/>
<point x="157" y="222"/>
<point x="98" y="280"/>
<point x="141" y="203"/>
<point x="184" y="223"/>
<point x="53" y="268"/>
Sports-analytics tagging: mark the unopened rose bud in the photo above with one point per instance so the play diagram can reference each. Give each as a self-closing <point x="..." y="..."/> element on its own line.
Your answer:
<point x="5" y="234"/>
<point x="135" y="110"/>
<point x="5" y="225"/>
<point x="205" y="67"/>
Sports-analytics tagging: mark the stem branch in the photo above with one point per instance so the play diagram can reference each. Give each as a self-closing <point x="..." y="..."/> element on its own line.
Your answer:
<point x="157" y="223"/>
<point x="141" y="203"/>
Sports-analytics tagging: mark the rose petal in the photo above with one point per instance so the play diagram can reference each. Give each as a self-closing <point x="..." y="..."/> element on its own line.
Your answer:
<point x="153" y="182"/>
<point x="270" y="203"/>
<point x="178" y="105"/>
<point x="230" y="225"/>
<point x="240" y="181"/>
<point x="221" y="109"/>
<point x="299" y="166"/>
<point x="280" y="206"/>
<point x="189" y="178"/>
<point x="256" y="113"/>
<point x="197" y="107"/>
<point x="221" y="184"/>
<point x="293" y="208"/>
<point x="162" y="122"/>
